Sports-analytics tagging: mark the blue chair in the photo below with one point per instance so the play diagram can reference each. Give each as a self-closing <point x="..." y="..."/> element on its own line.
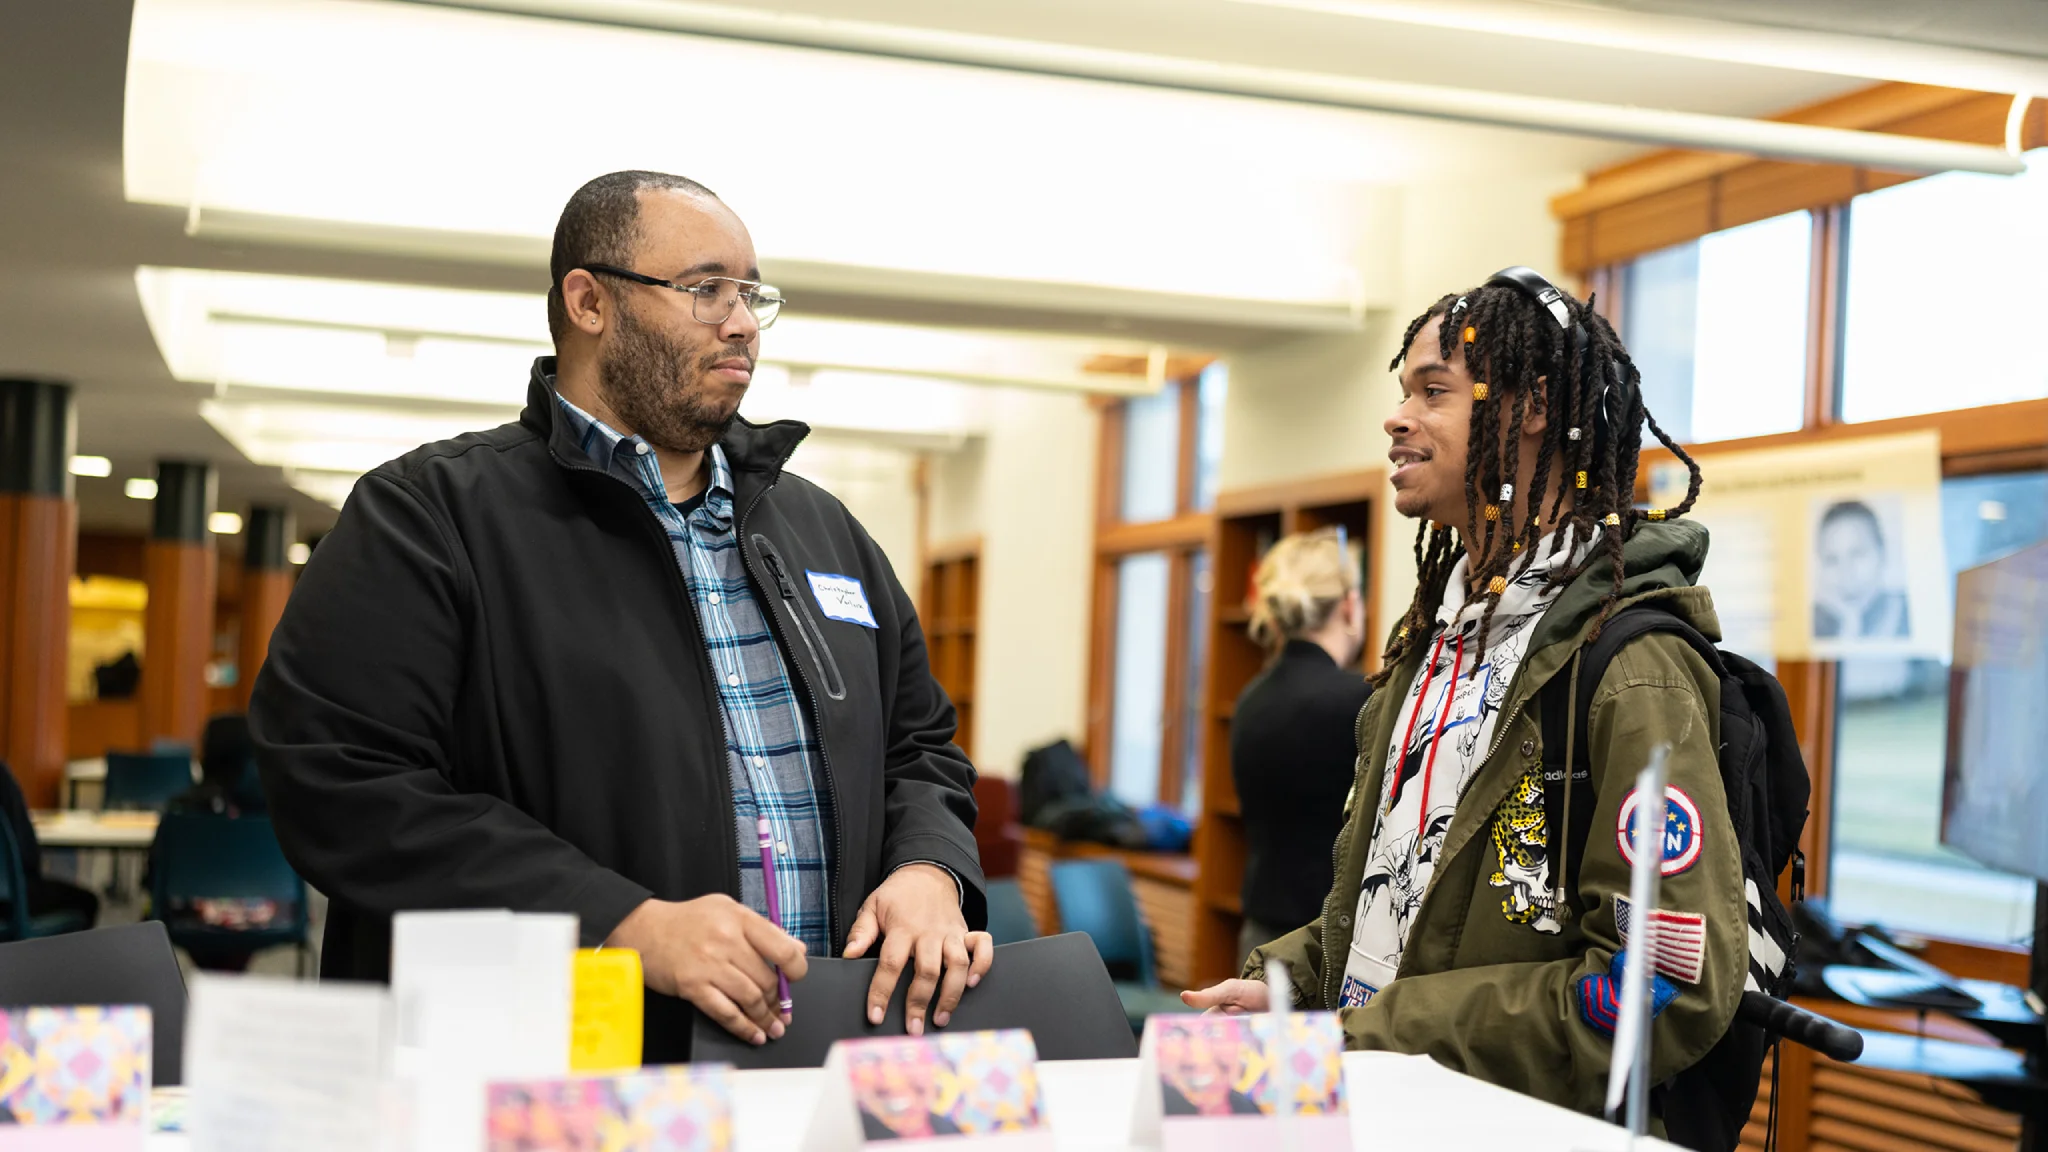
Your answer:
<point x="146" y="781"/>
<point x="1094" y="896"/>
<point x="1009" y="918"/>
<point x="204" y="856"/>
<point x="17" y="922"/>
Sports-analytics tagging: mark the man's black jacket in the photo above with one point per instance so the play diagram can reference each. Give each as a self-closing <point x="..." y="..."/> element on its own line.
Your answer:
<point x="489" y="690"/>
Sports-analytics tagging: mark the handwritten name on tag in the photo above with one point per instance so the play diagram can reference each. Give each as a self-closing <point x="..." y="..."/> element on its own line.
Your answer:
<point x="841" y="598"/>
<point x="684" y="1108"/>
<point x="951" y="1091"/>
<point x="74" y="1078"/>
<point x="1208" y="1083"/>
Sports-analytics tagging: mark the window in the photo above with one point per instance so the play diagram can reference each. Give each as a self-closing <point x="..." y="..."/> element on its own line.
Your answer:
<point x="1151" y="474"/>
<point x="1718" y="328"/>
<point x="1152" y="571"/>
<point x="1944" y="293"/>
<point x="1139" y="726"/>
<point x="1214" y="385"/>
<point x="1889" y="866"/>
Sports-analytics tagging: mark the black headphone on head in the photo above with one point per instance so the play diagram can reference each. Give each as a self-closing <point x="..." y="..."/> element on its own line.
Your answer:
<point x="1546" y="295"/>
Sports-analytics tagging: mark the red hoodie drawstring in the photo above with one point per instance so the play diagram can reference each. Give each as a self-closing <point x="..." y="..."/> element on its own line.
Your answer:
<point x="1436" y="741"/>
<point x="1428" y="673"/>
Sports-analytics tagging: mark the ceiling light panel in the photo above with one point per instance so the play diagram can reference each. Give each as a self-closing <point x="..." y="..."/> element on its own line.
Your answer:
<point x="456" y="346"/>
<point x="310" y="109"/>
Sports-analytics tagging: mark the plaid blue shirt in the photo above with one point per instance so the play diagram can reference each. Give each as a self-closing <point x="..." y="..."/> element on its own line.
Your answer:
<point x="769" y="751"/>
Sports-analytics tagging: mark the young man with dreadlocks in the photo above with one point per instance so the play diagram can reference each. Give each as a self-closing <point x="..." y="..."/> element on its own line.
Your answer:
<point x="1450" y="931"/>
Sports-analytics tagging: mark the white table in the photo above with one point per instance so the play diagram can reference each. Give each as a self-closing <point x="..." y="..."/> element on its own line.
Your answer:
<point x="114" y="830"/>
<point x="1396" y="1102"/>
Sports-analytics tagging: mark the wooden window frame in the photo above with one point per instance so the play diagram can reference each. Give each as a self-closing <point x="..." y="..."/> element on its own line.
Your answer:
<point x="1182" y="537"/>
<point x="1985" y="440"/>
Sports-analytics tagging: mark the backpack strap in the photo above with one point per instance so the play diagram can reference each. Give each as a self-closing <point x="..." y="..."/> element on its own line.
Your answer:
<point x="1566" y="738"/>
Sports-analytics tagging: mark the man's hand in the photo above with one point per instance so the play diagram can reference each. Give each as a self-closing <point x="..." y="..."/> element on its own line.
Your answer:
<point x="719" y="955"/>
<point x="1232" y="997"/>
<point x="916" y="915"/>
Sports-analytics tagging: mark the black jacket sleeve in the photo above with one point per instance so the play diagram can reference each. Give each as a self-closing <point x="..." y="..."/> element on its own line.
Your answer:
<point x="352" y="718"/>
<point x="927" y="782"/>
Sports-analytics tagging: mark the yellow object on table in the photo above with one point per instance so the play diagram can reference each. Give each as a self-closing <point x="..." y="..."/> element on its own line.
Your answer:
<point x="605" y="1020"/>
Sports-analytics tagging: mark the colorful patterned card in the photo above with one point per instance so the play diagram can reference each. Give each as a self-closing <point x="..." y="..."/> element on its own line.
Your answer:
<point x="674" y="1109"/>
<point x="1208" y="1081"/>
<point x="955" y="1089"/>
<point x="84" y="1070"/>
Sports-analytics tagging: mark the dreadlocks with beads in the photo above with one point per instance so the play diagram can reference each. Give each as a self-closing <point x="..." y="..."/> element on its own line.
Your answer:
<point x="1510" y="343"/>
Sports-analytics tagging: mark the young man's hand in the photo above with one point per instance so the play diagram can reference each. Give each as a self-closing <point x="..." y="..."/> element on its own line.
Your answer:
<point x="916" y="915"/>
<point x="719" y="955"/>
<point x="1231" y="998"/>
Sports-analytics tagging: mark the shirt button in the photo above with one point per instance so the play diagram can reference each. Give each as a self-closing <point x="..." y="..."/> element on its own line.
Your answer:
<point x="1528" y="747"/>
<point x="760" y="761"/>
<point x="783" y="847"/>
<point x="642" y="448"/>
<point x="732" y="681"/>
<point x="713" y="597"/>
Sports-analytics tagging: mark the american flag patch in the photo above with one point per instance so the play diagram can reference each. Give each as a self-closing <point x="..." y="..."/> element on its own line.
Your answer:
<point x="1681" y="945"/>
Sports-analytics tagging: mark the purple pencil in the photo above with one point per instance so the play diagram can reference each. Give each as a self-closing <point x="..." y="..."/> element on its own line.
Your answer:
<point x="774" y="904"/>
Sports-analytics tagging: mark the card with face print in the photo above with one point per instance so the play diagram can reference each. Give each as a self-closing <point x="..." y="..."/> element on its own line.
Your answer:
<point x="1209" y="1083"/>
<point x="946" y="1091"/>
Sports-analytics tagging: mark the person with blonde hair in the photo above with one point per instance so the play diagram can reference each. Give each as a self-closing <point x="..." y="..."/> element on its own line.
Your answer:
<point x="1291" y="743"/>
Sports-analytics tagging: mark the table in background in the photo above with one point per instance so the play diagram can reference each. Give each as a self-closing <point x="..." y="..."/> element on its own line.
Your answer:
<point x="89" y="771"/>
<point x="118" y="831"/>
<point x="1396" y="1102"/>
<point x="127" y="835"/>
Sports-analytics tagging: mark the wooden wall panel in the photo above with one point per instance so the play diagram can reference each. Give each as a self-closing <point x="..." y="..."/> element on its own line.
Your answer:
<point x="263" y="595"/>
<point x="177" y="640"/>
<point x="37" y="537"/>
<point x="1672" y="196"/>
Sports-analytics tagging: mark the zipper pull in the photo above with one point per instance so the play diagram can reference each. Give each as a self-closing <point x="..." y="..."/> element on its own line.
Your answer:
<point x="781" y="577"/>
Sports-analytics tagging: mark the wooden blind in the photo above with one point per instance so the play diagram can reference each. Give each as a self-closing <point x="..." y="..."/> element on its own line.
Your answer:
<point x="1670" y="197"/>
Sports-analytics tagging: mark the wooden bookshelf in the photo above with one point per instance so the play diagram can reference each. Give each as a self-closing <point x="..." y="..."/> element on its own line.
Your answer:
<point x="951" y="616"/>
<point x="1249" y="521"/>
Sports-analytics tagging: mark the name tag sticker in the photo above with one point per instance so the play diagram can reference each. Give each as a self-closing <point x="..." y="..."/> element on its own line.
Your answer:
<point x="841" y="598"/>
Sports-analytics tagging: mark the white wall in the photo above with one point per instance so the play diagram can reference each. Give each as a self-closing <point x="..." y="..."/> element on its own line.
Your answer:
<point x="1028" y="490"/>
<point x="877" y="484"/>
<point x="1316" y="405"/>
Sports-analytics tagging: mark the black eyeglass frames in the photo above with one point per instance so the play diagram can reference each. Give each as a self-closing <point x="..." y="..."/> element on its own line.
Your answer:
<point x="713" y="298"/>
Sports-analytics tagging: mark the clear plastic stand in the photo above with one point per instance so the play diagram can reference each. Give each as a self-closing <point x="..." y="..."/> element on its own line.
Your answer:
<point x="1279" y="1003"/>
<point x="1628" y="1074"/>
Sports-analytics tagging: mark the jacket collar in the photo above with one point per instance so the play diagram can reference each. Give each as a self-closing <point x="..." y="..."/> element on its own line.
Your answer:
<point x="756" y="453"/>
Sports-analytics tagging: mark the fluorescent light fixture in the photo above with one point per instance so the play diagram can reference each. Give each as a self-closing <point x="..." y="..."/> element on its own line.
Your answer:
<point x="224" y="524"/>
<point x="464" y="347"/>
<point x="299" y="552"/>
<point x="91" y="466"/>
<point x="286" y="111"/>
<point x="1777" y="45"/>
<point x="330" y="488"/>
<point x="139" y="488"/>
<point x="1991" y="510"/>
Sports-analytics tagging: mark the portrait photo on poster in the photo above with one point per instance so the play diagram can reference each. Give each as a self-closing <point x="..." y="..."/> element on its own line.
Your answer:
<point x="1859" y="575"/>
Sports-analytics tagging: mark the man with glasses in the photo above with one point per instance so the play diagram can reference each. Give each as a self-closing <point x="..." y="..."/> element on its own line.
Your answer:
<point x="572" y="663"/>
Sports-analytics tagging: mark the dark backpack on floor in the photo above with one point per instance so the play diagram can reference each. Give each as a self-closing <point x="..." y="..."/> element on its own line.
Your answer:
<point x="1764" y="776"/>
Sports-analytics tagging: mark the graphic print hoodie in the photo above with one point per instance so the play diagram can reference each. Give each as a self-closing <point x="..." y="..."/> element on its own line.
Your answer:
<point x="1444" y="733"/>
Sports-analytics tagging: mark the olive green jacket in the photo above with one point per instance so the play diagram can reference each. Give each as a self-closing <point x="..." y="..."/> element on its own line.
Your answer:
<point x="1479" y="991"/>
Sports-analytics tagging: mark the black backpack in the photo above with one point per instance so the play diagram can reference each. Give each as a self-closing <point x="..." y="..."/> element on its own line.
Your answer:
<point x="1764" y="776"/>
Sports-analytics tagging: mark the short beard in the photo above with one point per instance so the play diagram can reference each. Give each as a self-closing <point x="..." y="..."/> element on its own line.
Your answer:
<point x="656" y="387"/>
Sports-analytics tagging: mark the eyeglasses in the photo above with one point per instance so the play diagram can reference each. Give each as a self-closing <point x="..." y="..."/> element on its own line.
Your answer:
<point x="713" y="298"/>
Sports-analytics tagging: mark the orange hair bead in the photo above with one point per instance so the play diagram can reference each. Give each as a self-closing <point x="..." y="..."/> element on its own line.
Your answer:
<point x="1479" y="390"/>
<point x="1497" y="585"/>
<point x="1471" y="334"/>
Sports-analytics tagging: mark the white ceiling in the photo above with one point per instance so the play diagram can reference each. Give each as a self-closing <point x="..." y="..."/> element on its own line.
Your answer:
<point x="71" y="241"/>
